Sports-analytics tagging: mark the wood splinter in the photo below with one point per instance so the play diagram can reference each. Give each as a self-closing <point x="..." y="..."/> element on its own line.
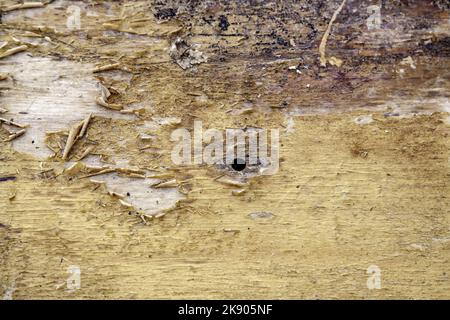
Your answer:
<point x="107" y="67"/>
<point x="85" y="126"/>
<point x="12" y="51"/>
<point x="25" y="5"/>
<point x="86" y="153"/>
<point x="15" y="135"/>
<point x="103" y="98"/>
<point x="12" y="123"/>
<point x="100" y="182"/>
<point x="323" y="42"/>
<point x="228" y="181"/>
<point x="107" y="170"/>
<point x="166" y="184"/>
<point x="116" y="194"/>
<point x="72" y="138"/>
<point x="125" y="204"/>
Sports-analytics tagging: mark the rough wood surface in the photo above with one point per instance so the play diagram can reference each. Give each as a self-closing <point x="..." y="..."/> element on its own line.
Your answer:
<point x="364" y="176"/>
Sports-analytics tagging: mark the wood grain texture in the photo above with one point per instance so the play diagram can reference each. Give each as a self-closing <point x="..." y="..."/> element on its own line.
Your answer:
<point x="364" y="176"/>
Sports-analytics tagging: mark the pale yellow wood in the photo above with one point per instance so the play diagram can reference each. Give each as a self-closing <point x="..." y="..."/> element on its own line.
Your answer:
<point x="364" y="178"/>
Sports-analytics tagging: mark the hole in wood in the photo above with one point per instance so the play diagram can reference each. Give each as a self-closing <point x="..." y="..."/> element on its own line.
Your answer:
<point x="238" y="164"/>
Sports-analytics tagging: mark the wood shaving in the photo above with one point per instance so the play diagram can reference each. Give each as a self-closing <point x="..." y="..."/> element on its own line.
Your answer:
<point x="12" y="123"/>
<point x="107" y="67"/>
<point x="166" y="184"/>
<point x="25" y="5"/>
<point x="86" y="152"/>
<point x="15" y="135"/>
<point x="71" y="139"/>
<point x="231" y="182"/>
<point x="12" y="51"/>
<point x="125" y="204"/>
<point x="323" y="43"/>
<point x="102" y="99"/>
<point x="85" y="126"/>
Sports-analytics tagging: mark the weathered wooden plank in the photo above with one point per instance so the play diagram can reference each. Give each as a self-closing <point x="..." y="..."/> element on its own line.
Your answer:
<point x="363" y="182"/>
